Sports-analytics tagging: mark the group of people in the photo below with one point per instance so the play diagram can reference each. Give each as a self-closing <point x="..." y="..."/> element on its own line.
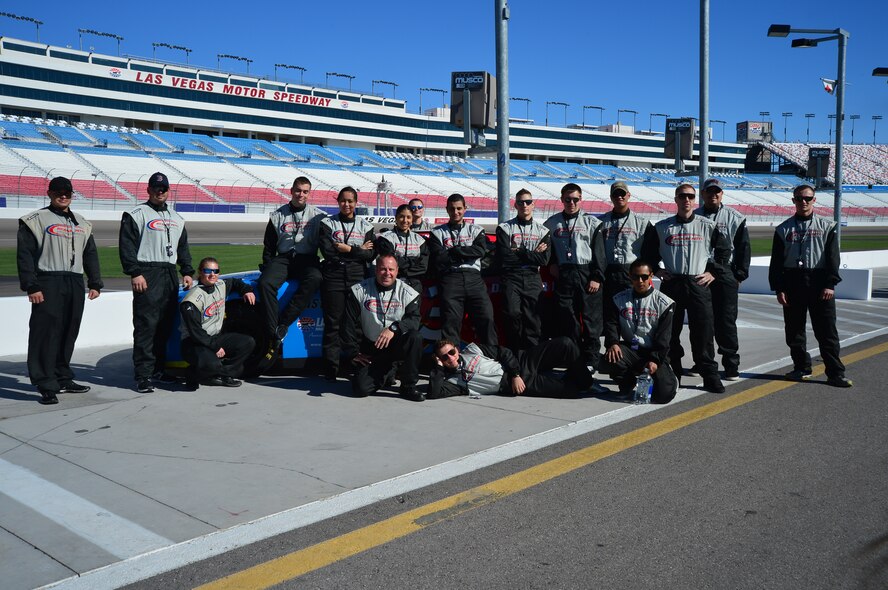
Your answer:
<point x="371" y="288"/>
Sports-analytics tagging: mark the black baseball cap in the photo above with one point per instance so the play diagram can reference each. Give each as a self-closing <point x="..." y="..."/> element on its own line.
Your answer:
<point x="158" y="180"/>
<point x="60" y="184"/>
<point x="712" y="182"/>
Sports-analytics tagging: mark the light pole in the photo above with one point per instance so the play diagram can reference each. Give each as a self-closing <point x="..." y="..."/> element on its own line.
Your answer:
<point x="785" y="117"/>
<point x="556" y="103"/>
<point x="82" y="32"/>
<point x="443" y="97"/>
<point x="651" y="120"/>
<point x="289" y="67"/>
<point x="764" y="115"/>
<point x="634" y="113"/>
<point x="221" y="56"/>
<point x="600" y="114"/>
<point x="808" y="117"/>
<point x="526" y="102"/>
<point x="841" y="36"/>
<point x="348" y="77"/>
<point x="876" y="119"/>
<point x="154" y="47"/>
<point x="26" y="19"/>
<point x="373" y="84"/>
<point x="831" y="117"/>
<point x="723" y="123"/>
<point x="853" y="118"/>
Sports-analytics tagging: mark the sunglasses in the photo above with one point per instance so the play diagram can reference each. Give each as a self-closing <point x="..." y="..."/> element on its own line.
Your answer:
<point x="160" y="190"/>
<point x="524" y="203"/>
<point x="443" y="356"/>
<point x="805" y="199"/>
<point x="573" y="200"/>
<point x="62" y="194"/>
<point x="416" y="207"/>
<point x="210" y="271"/>
<point x="640" y="277"/>
<point x="687" y="196"/>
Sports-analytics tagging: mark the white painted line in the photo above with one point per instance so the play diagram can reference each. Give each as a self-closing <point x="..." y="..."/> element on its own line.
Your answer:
<point x="166" y="559"/>
<point x="116" y="535"/>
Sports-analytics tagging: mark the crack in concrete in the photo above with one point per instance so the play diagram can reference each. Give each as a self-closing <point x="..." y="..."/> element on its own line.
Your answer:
<point x="35" y="547"/>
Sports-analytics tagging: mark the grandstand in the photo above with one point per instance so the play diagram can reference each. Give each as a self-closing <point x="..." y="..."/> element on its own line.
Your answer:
<point x="225" y="150"/>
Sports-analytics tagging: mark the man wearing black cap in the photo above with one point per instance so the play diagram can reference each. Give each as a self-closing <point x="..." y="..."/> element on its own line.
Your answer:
<point x="152" y="241"/>
<point x="55" y="248"/>
<point x="725" y="293"/>
<point x="804" y="272"/>
<point x="624" y="235"/>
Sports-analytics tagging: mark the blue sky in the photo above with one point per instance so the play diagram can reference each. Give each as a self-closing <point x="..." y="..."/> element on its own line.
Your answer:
<point x="639" y="55"/>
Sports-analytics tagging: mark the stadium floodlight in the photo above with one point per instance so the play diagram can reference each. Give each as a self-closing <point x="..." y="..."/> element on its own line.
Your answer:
<point x="651" y="120"/>
<point x="221" y="56"/>
<point x="876" y="119"/>
<point x="723" y="123"/>
<point x="439" y="90"/>
<point x="348" y="77"/>
<point x="559" y="104"/>
<point x="373" y="84"/>
<point x="880" y="72"/>
<point x="600" y="115"/>
<point x="808" y="116"/>
<point x="785" y="117"/>
<point x="29" y="20"/>
<point x="634" y="113"/>
<point x="841" y="36"/>
<point x="289" y="67"/>
<point x="82" y="32"/>
<point x="779" y="30"/>
<point x="154" y="47"/>
<point x="853" y="118"/>
<point x="526" y="102"/>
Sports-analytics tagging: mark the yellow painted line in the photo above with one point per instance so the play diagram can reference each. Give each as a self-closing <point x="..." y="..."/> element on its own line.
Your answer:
<point x="327" y="552"/>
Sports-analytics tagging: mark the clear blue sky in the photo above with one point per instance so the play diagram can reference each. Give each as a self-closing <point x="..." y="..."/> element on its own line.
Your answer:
<point x="640" y="55"/>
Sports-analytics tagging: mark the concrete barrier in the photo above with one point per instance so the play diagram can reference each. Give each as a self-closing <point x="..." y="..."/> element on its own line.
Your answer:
<point x="108" y="320"/>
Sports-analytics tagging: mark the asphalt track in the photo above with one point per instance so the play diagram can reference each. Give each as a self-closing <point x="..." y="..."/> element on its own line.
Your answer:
<point x="776" y="485"/>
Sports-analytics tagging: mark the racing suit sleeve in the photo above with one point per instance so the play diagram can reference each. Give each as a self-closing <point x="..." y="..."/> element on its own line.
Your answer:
<point x="91" y="265"/>
<point x="775" y="268"/>
<point x="26" y="259"/>
<point x="128" y="242"/>
<point x="742" y="253"/>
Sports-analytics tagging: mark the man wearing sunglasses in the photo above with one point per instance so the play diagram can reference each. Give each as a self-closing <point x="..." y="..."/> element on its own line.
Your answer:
<point x="419" y="223"/>
<point x="637" y="331"/>
<point x="694" y="254"/>
<point x="624" y="234"/>
<point x="55" y="247"/>
<point x="152" y="241"/>
<point x="725" y="293"/>
<point x="522" y="246"/>
<point x="214" y="357"/>
<point x="578" y="265"/>
<point x="480" y="369"/>
<point x="804" y="272"/>
<point x="381" y="330"/>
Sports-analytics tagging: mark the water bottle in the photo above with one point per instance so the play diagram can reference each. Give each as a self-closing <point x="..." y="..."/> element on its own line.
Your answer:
<point x="644" y="385"/>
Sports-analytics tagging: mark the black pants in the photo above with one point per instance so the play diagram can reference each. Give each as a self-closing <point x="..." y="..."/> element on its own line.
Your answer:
<point x="405" y="347"/>
<point x="464" y="291"/>
<point x="338" y="280"/>
<point x="153" y="314"/>
<point x="616" y="279"/>
<point x="279" y="269"/>
<point x="625" y="371"/>
<point x="697" y="301"/>
<point x="204" y="364"/>
<point x="579" y="312"/>
<point x="537" y="363"/>
<point x="823" y="321"/>
<point x="522" y="292"/>
<point x="54" y="326"/>
<point x="724" y="308"/>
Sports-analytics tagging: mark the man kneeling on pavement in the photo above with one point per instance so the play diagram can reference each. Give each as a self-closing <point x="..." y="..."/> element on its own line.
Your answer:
<point x="481" y="369"/>
<point x="381" y="330"/>
<point x="214" y="357"/>
<point x="637" y="330"/>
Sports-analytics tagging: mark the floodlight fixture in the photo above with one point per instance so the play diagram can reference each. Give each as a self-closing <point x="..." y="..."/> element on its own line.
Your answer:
<point x="25" y="19"/>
